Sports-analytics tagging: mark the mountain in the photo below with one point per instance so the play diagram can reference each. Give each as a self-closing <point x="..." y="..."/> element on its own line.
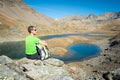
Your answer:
<point x="109" y="16"/>
<point x="105" y="16"/>
<point x="91" y="16"/>
<point x="18" y="10"/>
<point x="16" y="16"/>
<point x="79" y="23"/>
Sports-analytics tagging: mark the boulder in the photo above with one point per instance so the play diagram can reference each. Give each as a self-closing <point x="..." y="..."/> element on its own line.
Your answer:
<point x="5" y="60"/>
<point x="54" y="62"/>
<point x="46" y="73"/>
<point x="6" y="73"/>
<point x="27" y="69"/>
<point x="49" y="68"/>
<point x="44" y="70"/>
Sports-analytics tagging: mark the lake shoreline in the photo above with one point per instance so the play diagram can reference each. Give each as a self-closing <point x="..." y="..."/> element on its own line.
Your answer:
<point x="82" y="60"/>
<point x="58" y="46"/>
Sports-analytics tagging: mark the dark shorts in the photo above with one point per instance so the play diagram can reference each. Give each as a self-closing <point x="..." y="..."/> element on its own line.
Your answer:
<point x="34" y="56"/>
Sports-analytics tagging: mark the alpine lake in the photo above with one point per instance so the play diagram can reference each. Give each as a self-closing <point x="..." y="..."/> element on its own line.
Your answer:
<point x="76" y="52"/>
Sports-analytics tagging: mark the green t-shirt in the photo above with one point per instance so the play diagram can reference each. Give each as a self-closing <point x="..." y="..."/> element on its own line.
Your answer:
<point x="30" y="43"/>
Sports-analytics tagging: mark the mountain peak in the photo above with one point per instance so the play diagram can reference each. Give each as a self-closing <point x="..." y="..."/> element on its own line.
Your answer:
<point x="91" y="16"/>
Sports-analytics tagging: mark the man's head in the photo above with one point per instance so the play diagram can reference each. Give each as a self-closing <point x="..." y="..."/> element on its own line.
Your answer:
<point x="32" y="30"/>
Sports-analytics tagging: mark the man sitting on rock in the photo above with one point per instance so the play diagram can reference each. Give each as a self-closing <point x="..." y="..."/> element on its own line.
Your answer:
<point x="30" y="42"/>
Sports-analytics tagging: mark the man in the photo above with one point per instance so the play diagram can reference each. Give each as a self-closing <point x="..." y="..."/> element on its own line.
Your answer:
<point x="30" y="42"/>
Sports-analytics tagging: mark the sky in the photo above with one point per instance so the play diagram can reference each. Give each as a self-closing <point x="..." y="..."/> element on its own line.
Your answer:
<point x="61" y="8"/>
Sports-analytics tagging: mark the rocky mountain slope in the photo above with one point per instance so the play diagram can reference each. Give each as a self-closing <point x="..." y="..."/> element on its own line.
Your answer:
<point x="15" y="16"/>
<point x="80" y="23"/>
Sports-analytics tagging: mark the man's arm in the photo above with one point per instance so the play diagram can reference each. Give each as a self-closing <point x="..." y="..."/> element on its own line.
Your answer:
<point x="43" y="43"/>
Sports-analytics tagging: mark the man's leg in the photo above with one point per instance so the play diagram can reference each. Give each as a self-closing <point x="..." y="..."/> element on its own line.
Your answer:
<point x="35" y="56"/>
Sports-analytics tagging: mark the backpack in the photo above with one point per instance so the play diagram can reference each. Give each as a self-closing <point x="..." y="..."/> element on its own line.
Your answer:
<point x="43" y="52"/>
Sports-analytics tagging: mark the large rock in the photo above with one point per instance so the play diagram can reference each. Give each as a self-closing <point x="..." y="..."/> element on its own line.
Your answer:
<point x="54" y="62"/>
<point x="45" y="73"/>
<point x="5" y="60"/>
<point x="8" y="69"/>
<point x="25" y="69"/>
<point x="49" y="69"/>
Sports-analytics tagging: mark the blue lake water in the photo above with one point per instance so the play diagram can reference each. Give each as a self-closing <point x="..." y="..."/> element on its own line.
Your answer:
<point x="62" y="35"/>
<point x="76" y="52"/>
<point x="87" y="35"/>
<point x="80" y="51"/>
<point x="14" y="50"/>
